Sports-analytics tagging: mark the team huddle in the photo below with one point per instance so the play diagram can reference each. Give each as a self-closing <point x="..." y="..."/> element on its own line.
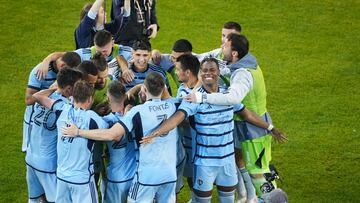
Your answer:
<point x="130" y="123"/>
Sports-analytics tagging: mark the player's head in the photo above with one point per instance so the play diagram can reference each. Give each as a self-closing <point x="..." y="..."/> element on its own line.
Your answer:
<point x="180" y="47"/>
<point x="116" y="92"/>
<point x="235" y="47"/>
<point x="103" y="42"/>
<point x="66" y="79"/>
<point x="154" y="84"/>
<point x="185" y="66"/>
<point x="102" y="66"/>
<point x="68" y="60"/>
<point x="141" y="55"/>
<point x="209" y="71"/>
<point x="229" y="27"/>
<point x="83" y="93"/>
<point x="90" y="72"/>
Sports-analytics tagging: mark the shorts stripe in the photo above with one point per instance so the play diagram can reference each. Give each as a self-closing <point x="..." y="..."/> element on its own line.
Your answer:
<point x="92" y="192"/>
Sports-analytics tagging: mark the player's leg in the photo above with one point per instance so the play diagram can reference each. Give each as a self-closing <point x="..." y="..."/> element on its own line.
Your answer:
<point x="204" y="178"/>
<point x="116" y="192"/>
<point x="48" y="181"/>
<point x="35" y="190"/>
<point x="257" y="154"/>
<point x="141" y="193"/>
<point x="85" y="193"/>
<point x="166" y="193"/>
<point x="226" y="182"/>
<point x="245" y="189"/>
<point x="63" y="192"/>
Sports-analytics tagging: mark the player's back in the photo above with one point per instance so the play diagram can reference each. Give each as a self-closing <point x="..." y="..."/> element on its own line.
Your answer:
<point x="157" y="160"/>
<point x="122" y="163"/>
<point x="75" y="153"/>
<point x="41" y="153"/>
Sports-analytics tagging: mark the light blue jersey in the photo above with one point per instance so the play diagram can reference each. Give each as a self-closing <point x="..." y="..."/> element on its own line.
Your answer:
<point x="41" y="153"/>
<point x="75" y="164"/>
<point x="140" y="76"/>
<point x="86" y="54"/>
<point x="214" y="143"/>
<point x="122" y="163"/>
<point x="36" y="84"/>
<point x="157" y="160"/>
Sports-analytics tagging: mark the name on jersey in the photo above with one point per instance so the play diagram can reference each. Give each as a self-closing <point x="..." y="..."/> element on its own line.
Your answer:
<point x="160" y="107"/>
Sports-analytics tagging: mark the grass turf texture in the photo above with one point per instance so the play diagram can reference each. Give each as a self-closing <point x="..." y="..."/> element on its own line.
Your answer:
<point x="308" y="51"/>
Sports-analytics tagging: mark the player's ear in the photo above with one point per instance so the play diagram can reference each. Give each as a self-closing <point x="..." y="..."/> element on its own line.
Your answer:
<point x="235" y="54"/>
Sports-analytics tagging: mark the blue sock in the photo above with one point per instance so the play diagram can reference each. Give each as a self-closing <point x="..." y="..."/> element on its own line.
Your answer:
<point x="226" y="197"/>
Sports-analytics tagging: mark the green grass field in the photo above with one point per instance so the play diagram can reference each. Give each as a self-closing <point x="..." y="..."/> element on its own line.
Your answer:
<point x="308" y="51"/>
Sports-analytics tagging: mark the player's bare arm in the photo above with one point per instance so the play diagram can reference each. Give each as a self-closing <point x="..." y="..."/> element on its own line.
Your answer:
<point x="42" y="97"/>
<point x="254" y="119"/>
<point x="114" y="133"/>
<point x="44" y="68"/>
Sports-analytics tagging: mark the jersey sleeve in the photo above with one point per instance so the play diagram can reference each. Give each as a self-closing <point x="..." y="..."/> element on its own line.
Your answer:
<point x="238" y="107"/>
<point x="127" y="120"/>
<point x="34" y="82"/>
<point x="126" y="52"/>
<point x="58" y="105"/>
<point x="165" y="62"/>
<point x="99" y="121"/>
<point x="188" y="108"/>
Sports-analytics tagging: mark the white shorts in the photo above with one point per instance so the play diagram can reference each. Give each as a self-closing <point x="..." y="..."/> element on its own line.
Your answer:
<point x="40" y="183"/>
<point x="206" y="176"/>
<point x="76" y="193"/>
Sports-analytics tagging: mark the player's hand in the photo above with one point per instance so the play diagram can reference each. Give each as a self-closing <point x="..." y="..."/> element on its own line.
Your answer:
<point x="54" y="86"/>
<point x="148" y="139"/>
<point x="156" y="57"/>
<point x="70" y="130"/>
<point x="102" y="108"/>
<point x="278" y="136"/>
<point x="127" y="75"/>
<point x="43" y="70"/>
<point x="127" y="108"/>
<point x="190" y="98"/>
<point x="153" y="27"/>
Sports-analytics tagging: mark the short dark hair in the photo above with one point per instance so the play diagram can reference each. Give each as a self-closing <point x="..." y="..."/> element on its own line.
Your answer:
<point x="154" y="83"/>
<point x="210" y="59"/>
<point x="85" y="10"/>
<point x="71" y="59"/>
<point x="182" y="45"/>
<point x="68" y="76"/>
<point x="239" y="43"/>
<point x="100" y="62"/>
<point x="189" y="62"/>
<point x="117" y="91"/>
<point x="82" y="91"/>
<point x="142" y="45"/>
<point x="102" y="38"/>
<point x="88" y="67"/>
<point x="232" y="26"/>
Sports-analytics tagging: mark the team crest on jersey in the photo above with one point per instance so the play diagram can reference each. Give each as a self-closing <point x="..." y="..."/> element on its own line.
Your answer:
<point x="200" y="182"/>
<point x="209" y="106"/>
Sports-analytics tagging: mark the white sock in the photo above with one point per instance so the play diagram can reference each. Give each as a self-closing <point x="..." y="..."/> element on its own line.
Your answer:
<point x="198" y="199"/>
<point x="226" y="197"/>
<point x="250" y="189"/>
<point x="240" y="188"/>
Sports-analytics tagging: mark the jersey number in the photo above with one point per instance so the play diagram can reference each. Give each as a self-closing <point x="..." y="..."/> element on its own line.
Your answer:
<point x="38" y="120"/>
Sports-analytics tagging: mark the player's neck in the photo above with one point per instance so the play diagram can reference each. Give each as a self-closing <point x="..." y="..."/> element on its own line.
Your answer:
<point x="211" y="88"/>
<point x="115" y="107"/>
<point x="192" y="82"/>
<point x="82" y="105"/>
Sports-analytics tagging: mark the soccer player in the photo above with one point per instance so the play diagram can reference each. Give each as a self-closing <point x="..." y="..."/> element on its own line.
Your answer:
<point x="246" y="85"/>
<point x="141" y="66"/>
<point x="41" y="156"/>
<point x="69" y="59"/>
<point x="156" y="171"/>
<point x="186" y="68"/>
<point x="104" y="44"/>
<point x="75" y="181"/>
<point x="122" y="163"/>
<point x="213" y="149"/>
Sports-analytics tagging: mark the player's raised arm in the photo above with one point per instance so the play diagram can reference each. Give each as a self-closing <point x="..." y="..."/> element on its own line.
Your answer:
<point x="43" y="70"/>
<point x="165" y="127"/>
<point x="114" y="133"/>
<point x="42" y="98"/>
<point x="254" y="119"/>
